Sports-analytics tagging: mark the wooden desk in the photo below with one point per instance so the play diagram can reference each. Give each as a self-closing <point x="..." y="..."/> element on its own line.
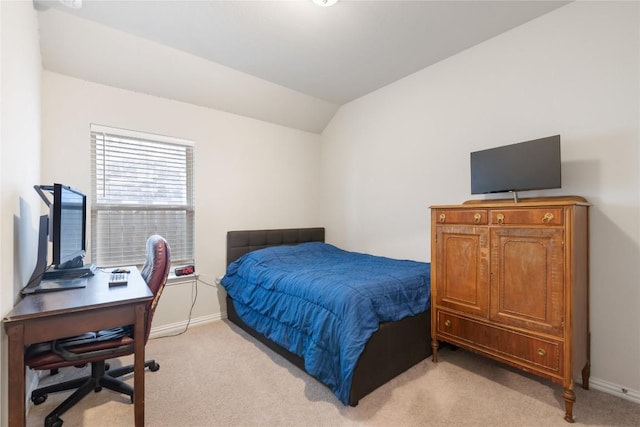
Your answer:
<point x="51" y="315"/>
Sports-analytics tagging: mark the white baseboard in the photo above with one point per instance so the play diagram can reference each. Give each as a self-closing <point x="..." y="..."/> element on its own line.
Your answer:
<point x="614" y="389"/>
<point x="174" y="328"/>
<point x="32" y="380"/>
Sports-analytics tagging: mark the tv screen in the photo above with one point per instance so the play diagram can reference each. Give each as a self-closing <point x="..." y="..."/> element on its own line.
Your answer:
<point x="68" y="226"/>
<point x="529" y="165"/>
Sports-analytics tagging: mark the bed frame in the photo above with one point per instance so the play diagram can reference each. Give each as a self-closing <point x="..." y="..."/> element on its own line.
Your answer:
<point x="393" y="349"/>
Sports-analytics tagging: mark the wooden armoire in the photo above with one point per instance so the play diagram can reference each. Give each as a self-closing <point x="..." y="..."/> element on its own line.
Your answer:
<point x="509" y="280"/>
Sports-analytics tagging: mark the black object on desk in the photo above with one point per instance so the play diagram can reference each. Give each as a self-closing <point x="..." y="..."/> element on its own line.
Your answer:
<point x="69" y="273"/>
<point x="55" y="285"/>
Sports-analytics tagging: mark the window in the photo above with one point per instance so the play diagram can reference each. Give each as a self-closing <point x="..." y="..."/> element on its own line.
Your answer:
<point x="142" y="185"/>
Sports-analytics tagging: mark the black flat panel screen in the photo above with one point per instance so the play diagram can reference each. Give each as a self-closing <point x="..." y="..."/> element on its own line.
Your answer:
<point x="530" y="165"/>
<point x="68" y="225"/>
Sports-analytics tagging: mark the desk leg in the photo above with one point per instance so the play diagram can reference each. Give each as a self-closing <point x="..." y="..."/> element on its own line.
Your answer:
<point x="138" y="373"/>
<point x="15" y="333"/>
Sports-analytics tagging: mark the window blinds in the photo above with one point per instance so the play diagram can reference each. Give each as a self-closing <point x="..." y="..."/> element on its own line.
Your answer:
<point x="142" y="185"/>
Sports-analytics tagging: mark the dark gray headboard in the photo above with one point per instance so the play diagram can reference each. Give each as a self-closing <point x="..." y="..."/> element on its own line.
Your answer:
<point x="241" y="242"/>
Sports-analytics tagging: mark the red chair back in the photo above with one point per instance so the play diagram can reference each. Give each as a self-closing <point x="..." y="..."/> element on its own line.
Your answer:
<point x="155" y="272"/>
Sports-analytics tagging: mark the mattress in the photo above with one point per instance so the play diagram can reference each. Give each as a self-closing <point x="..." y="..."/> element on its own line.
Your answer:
<point x="323" y="303"/>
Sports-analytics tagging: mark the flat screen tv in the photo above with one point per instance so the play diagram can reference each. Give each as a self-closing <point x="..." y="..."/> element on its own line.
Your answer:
<point x="529" y="165"/>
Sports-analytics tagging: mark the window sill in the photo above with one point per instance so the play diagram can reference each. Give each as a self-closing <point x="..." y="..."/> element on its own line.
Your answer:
<point x="176" y="280"/>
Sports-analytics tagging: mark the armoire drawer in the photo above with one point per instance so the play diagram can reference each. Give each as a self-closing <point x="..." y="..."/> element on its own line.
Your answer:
<point x="518" y="348"/>
<point x="538" y="216"/>
<point x="466" y="216"/>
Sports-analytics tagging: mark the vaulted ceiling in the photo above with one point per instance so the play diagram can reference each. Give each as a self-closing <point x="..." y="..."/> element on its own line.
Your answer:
<point x="287" y="62"/>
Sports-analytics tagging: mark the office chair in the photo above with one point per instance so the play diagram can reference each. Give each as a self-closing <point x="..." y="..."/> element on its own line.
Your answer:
<point x="96" y="347"/>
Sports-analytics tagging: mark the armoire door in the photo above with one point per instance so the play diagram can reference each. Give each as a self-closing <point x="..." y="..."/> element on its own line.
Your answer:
<point x="462" y="268"/>
<point x="527" y="278"/>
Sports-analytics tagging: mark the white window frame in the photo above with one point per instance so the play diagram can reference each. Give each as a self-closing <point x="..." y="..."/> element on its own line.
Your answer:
<point x="121" y="221"/>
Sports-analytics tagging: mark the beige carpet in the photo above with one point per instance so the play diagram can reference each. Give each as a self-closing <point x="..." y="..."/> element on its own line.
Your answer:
<point x="216" y="375"/>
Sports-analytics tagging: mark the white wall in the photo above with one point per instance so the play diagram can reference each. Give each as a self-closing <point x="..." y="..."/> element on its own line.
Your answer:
<point x="575" y="72"/>
<point x="248" y="173"/>
<point x="19" y="160"/>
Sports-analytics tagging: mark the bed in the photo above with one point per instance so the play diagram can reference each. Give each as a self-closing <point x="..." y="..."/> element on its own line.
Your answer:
<point x="389" y="348"/>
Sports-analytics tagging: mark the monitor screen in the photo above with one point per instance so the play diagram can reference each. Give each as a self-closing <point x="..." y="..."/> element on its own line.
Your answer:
<point x="68" y="226"/>
<point x="529" y="165"/>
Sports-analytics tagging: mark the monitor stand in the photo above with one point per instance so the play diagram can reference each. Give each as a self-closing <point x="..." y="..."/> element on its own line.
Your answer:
<point x="41" y="263"/>
<point x="53" y="273"/>
<point x="515" y="197"/>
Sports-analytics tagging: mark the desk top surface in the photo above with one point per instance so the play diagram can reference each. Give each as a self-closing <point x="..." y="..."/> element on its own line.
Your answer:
<point x="96" y="294"/>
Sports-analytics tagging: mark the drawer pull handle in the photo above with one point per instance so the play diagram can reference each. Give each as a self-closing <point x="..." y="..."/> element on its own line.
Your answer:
<point x="447" y="323"/>
<point x="476" y="218"/>
<point x="442" y="217"/>
<point x="547" y="218"/>
<point x="500" y="218"/>
<point x="541" y="352"/>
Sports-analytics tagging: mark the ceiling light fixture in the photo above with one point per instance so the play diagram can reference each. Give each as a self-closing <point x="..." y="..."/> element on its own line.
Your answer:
<point x="42" y="5"/>
<point x="73" y="4"/>
<point x="325" y="3"/>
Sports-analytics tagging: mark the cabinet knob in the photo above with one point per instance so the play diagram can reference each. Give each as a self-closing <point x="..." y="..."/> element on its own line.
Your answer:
<point x="547" y="218"/>
<point x="476" y="218"/>
<point x="447" y="323"/>
<point x="500" y="218"/>
<point x="442" y="217"/>
<point x="541" y="352"/>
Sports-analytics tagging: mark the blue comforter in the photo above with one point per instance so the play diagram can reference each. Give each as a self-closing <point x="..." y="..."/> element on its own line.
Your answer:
<point x="323" y="303"/>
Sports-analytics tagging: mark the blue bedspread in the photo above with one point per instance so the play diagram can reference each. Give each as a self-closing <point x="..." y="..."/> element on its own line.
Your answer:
<point x="323" y="303"/>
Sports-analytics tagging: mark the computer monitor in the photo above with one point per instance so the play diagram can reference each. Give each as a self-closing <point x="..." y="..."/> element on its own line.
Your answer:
<point x="68" y="227"/>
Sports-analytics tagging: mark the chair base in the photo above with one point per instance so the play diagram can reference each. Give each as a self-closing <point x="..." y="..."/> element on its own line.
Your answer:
<point x="100" y="377"/>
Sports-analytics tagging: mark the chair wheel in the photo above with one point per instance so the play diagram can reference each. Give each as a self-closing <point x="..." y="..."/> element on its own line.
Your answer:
<point x="52" y="422"/>
<point x="37" y="400"/>
<point x="107" y="366"/>
<point x="154" y="367"/>
<point x="97" y="389"/>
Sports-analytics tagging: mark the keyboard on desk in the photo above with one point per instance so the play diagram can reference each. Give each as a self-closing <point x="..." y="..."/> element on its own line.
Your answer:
<point x="118" y="279"/>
